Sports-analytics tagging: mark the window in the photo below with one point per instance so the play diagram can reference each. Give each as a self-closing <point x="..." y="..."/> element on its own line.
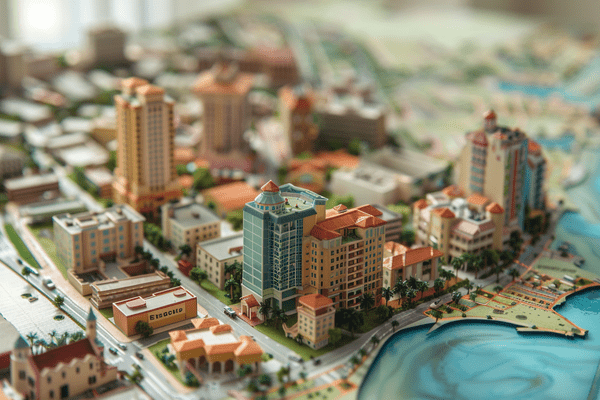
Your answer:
<point x="92" y="380"/>
<point x="93" y="235"/>
<point x="49" y="379"/>
<point x="52" y="394"/>
<point x="77" y="370"/>
<point x="21" y="374"/>
<point x="91" y="365"/>
<point x="64" y="375"/>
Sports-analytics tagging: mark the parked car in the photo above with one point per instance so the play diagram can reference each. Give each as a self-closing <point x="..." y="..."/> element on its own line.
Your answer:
<point x="20" y="261"/>
<point x="49" y="284"/>
<point x="113" y="351"/>
<point x="33" y="271"/>
<point x="294" y="358"/>
<point x="139" y="355"/>
<point x="122" y="346"/>
<point x="32" y="299"/>
<point x="316" y="361"/>
<point x="229" y="312"/>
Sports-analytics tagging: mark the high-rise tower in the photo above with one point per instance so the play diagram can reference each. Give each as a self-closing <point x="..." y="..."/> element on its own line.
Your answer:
<point x="145" y="176"/>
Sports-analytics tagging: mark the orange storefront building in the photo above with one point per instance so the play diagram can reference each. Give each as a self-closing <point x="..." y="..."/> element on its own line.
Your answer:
<point x="162" y="308"/>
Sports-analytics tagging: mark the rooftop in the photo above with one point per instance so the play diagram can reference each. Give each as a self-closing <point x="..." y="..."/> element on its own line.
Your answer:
<point x="413" y="164"/>
<point x="232" y="196"/>
<point x="30" y="181"/>
<point x="160" y="299"/>
<point x="223" y="79"/>
<point x="223" y="248"/>
<point x="403" y="256"/>
<point x="126" y="283"/>
<point x="315" y="301"/>
<point x="97" y="220"/>
<point x="192" y="214"/>
<point x="63" y="354"/>
<point x="354" y="217"/>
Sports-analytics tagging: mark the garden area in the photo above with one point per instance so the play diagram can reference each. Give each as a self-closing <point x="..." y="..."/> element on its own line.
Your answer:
<point x="20" y="246"/>
<point x="161" y="353"/>
<point x="44" y="234"/>
<point x="233" y="283"/>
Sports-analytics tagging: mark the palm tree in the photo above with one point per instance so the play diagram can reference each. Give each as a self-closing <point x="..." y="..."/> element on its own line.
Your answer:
<point x="355" y="360"/>
<point x="77" y="336"/>
<point x="355" y="320"/>
<point x="457" y="263"/>
<point x="231" y="284"/>
<point x="498" y="289"/>
<point x="514" y="273"/>
<point x="439" y="285"/>
<point x="469" y="286"/>
<point x="497" y="270"/>
<point x="395" y="324"/>
<point x="413" y="282"/>
<point x="400" y="288"/>
<point x="362" y="352"/>
<point x="374" y="341"/>
<point x="437" y="314"/>
<point x="32" y="337"/>
<point x="367" y="301"/>
<point x="456" y="296"/>
<point x="423" y="286"/>
<point x="387" y="294"/>
<point x="411" y="294"/>
<point x="53" y="335"/>
<point x="478" y="264"/>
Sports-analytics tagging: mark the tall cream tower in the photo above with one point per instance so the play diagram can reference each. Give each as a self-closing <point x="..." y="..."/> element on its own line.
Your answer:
<point x="145" y="176"/>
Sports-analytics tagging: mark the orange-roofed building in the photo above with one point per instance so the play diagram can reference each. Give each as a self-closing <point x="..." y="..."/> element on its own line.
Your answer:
<point x="223" y="91"/>
<point x="346" y="255"/>
<point x="316" y="316"/>
<point x="401" y="263"/>
<point x="493" y="164"/>
<point x="455" y="225"/>
<point x="211" y="347"/>
<point x="229" y="197"/>
<point x="296" y="110"/>
<point x="145" y="176"/>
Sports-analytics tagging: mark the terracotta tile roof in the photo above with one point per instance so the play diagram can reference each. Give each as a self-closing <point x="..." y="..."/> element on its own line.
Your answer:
<point x="220" y="329"/>
<point x="5" y="361"/>
<point x="354" y="217"/>
<point x="250" y="300"/>
<point x="338" y="159"/>
<point x="133" y="82"/>
<point x="453" y="191"/>
<point x="63" y="354"/>
<point x="186" y="345"/>
<point x="311" y="164"/>
<point x="248" y="347"/>
<point x="185" y="181"/>
<point x="205" y="323"/>
<point x="477" y="199"/>
<point x="479" y="137"/>
<point x="270" y="187"/>
<point x="534" y="147"/>
<point x="146" y="90"/>
<point x="420" y="204"/>
<point x="207" y="83"/>
<point x="411" y="256"/>
<point x="444" y="212"/>
<point x="232" y="196"/>
<point x="184" y="155"/>
<point x="489" y="115"/>
<point x="222" y="348"/>
<point x="395" y="248"/>
<point x="273" y="55"/>
<point x="315" y="301"/>
<point x="177" y="336"/>
<point x="494" y="208"/>
<point x="369" y="209"/>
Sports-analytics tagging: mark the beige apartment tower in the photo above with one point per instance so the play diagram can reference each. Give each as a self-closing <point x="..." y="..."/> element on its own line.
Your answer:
<point x="145" y="176"/>
<point x="224" y="94"/>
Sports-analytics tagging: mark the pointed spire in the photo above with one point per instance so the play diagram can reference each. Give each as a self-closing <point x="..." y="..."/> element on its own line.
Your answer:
<point x="91" y="315"/>
<point x="270" y="187"/>
<point x="21" y="343"/>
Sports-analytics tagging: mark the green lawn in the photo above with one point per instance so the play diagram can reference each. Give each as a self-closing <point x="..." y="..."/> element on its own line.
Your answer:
<point x="158" y="348"/>
<point x="293" y="390"/>
<point x="107" y="312"/>
<point x="48" y="245"/>
<point x="503" y="300"/>
<point x="216" y="292"/>
<point x="372" y="321"/>
<point x="480" y="311"/>
<point x="323" y="394"/>
<point x="20" y="246"/>
<point x="276" y="333"/>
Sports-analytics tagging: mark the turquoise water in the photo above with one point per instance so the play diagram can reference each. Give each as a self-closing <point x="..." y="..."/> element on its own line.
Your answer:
<point x="487" y="360"/>
<point x="564" y="142"/>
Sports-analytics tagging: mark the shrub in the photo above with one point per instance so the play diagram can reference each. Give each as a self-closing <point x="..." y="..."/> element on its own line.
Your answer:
<point x="464" y="315"/>
<point x="489" y="317"/>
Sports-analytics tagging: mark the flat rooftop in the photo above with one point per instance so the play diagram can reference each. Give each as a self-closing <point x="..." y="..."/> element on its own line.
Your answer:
<point x="97" y="220"/>
<point x="128" y="282"/>
<point x="30" y="181"/>
<point x="219" y="248"/>
<point x="53" y="206"/>
<point x="158" y="300"/>
<point x="193" y="215"/>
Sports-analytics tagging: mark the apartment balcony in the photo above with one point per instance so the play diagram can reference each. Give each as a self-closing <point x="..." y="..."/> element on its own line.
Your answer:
<point x="355" y="246"/>
<point x="354" y="277"/>
<point x="354" y="254"/>
<point x="355" y="284"/>
<point x="353" y="296"/>
<point x="355" y="262"/>
<point x="351" y="238"/>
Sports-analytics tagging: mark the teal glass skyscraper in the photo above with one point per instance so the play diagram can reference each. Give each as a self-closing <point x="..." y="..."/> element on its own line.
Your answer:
<point x="276" y="224"/>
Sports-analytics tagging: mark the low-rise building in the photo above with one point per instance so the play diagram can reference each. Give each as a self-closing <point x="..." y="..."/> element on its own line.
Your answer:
<point x="401" y="263"/>
<point x="43" y="211"/>
<point x="106" y="292"/>
<point x="213" y="255"/>
<point x="11" y="163"/>
<point x="188" y="223"/>
<point x="160" y="309"/>
<point x="229" y="197"/>
<point x="100" y="179"/>
<point x="84" y="240"/>
<point x="211" y="347"/>
<point x="393" y="226"/>
<point x="11" y="131"/>
<point x="62" y="372"/>
<point x="316" y="316"/>
<point x="455" y="225"/>
<point x="29" y="189"/>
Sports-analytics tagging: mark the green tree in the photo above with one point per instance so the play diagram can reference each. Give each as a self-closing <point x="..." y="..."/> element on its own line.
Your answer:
<point x="355" y="321"/>
<point x="514" y="273"/>
<point x="144" y="329"/>
<point x="387" y="294"/>
<point x="437" y="314"/>
<point x="282" y="174"/>
<point x="77" y="336"/>
<point x="236" y="219"/>
<point x="400" y="288"/>
<point x="473" y="296"/>
<point x="457" y="263"/>
<point x="231" y="284"/>
<point x="59" y="301"/>
<point x="244" y="370"/>
<point x="264" y="309"/>
<point x="354" y="147"/>
<point x="498" y="288"/>
<point x="265" y="380"/>
<point x="31" y="337"/>
<point x="422" y="286"/>
<point x="181" y="169"/>
<point x="411" y="294"/>
<point x="203" y="179"/>
<point x="25" y="272"/>
<point x="456" y="296"/>
<point x="438" y="285"/>
<point x="469" y="285"/>
<point x="185" y="249"/>
<point x="515" y="242"/>
<point x="374" y="341"/>
<point x="367" y="301"/>
<point x="395" y="324"/>
<point x="335" y="335"/>
<point x="111" y="164"/>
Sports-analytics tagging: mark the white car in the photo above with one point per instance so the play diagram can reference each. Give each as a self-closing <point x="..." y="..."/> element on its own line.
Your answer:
<point x="49" y="284"/>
